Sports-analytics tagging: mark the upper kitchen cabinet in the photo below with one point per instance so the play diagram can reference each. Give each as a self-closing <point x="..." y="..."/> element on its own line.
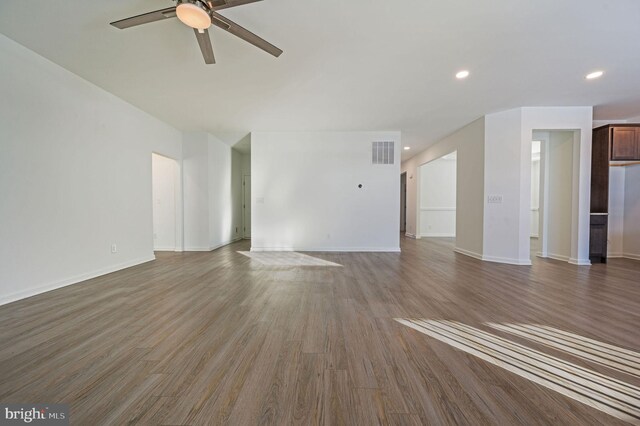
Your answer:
<point x="625" y="143"/>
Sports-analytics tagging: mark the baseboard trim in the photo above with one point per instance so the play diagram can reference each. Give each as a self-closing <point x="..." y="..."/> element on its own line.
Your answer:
<point x="580" y="262"/>
<point x="559" y="257"/>
<point x="437" y="235"/>
<point x="73" y="280"/>
<point x="507" y="260"/>
<point x="330" y="249"/>
<point x="212" y="248"/>
<point x="468" y="253"/>
<point x="494" y="259"/>
<point x="409" y="235"/>
<point x="631" y="256"/>
<point x="615" y="255"/>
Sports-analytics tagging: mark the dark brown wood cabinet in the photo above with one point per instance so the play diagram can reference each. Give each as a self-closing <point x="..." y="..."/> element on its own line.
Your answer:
<point x="600" y="171"/>
<point x="625" y="143"/>
<point x="614" y="142"/>
<point x="598" y="234"/>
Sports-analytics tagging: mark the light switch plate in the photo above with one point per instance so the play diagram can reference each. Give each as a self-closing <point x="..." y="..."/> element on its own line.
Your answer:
<point x="494" y="199"/>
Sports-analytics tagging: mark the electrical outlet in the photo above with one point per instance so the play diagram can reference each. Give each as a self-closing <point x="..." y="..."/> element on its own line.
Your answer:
<point x="494" y="199"/>
<point x="114" y="248"/>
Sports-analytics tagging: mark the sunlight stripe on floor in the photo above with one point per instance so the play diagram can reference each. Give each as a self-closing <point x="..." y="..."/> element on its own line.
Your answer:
<point x="617" y="361"/>
<point x="604" y="393"/>
<point x="286" y="258"/>
<point x="605" y="347"/>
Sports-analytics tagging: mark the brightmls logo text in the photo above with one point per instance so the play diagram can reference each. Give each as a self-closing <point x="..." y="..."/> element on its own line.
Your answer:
<point x="35" y="414"/>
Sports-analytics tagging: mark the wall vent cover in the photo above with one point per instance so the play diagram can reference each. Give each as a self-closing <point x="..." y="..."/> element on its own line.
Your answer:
<point x="382" y="152"/>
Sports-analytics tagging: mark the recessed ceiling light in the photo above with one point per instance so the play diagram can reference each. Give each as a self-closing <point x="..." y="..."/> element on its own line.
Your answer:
<point x="462" y="74"/>
<point x="595" y="74"/>
<point x="407" y="148"/>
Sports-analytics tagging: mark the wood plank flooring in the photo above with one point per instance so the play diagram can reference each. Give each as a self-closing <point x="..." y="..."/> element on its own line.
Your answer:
<point x="220" y="338"/>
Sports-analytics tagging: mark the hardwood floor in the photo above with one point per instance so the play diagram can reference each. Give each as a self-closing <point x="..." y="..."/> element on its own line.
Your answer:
<point x="215" y="338"/>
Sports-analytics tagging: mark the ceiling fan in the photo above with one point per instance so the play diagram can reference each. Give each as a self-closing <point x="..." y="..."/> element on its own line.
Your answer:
<point x="200" y="15"/>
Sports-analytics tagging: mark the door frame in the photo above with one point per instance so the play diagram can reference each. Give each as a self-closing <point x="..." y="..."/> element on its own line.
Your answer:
<point x="244" y="207"/>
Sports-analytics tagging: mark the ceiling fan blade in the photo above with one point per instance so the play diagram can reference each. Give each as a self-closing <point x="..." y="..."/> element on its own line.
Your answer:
<point x="205" y="46"/>
<point x="145" y="18"/>
<point x="225" y="4"/>
<point x="235" y="29"/>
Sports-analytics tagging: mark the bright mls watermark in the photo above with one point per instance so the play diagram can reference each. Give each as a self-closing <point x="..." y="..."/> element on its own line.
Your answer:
<point x="34" y="414"/>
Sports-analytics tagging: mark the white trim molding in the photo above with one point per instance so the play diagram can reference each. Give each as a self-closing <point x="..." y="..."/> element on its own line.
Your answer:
<point x="330" y="249"/>
<point x="165" y="249"/>
<point x="13" y="297"/>
<point x="468" y="253"/>
<point x="212" y="248"/>
<point x="580" y="262"/>
<point x="560" y="257"/>
<point x="507" y="260"/>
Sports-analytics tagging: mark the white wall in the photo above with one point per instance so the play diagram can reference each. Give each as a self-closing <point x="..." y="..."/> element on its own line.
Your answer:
<point x="75" y="176"/>
<point x="507" y="225"/>
<point x="560" y="185"/>
<point x="469" y="144"/>
<point x="624" y="212"/>
<point x="306" y="195"/>
<point x="245" y="165"/>
<point x="165" y="179"/>
<point x="494" y="158"/>
<point x="438" y="198"/>
<point x="579" y="120"/>
<point x="221" y="202"/>
<point x="616" y="211"/>
<point x="211" y="192"/>
<point x="631" y="244"/>
<point x="195" y="184"/>
<point x="236" y="195"/>
<point x="503" y="169"/>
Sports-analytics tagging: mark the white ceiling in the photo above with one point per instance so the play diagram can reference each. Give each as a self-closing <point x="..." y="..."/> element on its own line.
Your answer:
<point x="348" y="65"/>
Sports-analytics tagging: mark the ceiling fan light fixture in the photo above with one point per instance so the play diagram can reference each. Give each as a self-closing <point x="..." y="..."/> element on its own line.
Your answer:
<point x="194" y="14"/>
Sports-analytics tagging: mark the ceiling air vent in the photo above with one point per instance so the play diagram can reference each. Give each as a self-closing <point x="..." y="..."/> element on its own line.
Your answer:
<point x="382" y="152"/>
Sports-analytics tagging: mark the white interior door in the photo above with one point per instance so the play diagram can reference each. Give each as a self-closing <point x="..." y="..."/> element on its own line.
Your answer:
<point x="246" y="185"/>
<point x="164" y="202"/>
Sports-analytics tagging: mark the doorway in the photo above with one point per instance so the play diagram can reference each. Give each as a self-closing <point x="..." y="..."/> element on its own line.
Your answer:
<point x="437" y="193"/>
<point x="165" y="179"/>
<point x="246" y="206"/>
<point x="556" y="189"/>
<point x="403" y="202"/>
<point x="535" y="198"/>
